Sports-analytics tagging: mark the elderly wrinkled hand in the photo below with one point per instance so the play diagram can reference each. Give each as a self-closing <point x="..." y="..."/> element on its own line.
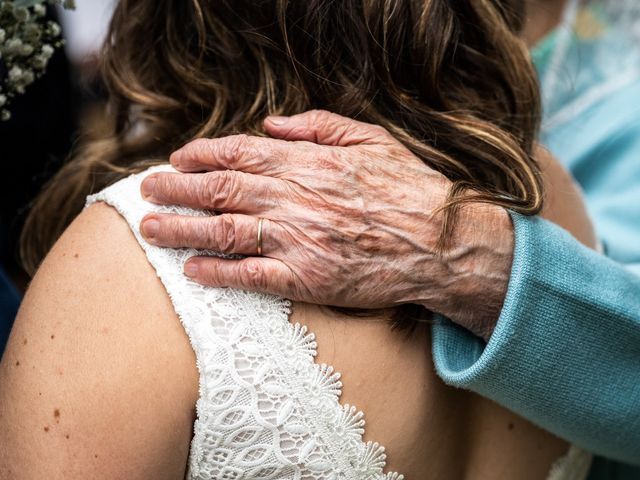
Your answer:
<point x="350" y="218"/>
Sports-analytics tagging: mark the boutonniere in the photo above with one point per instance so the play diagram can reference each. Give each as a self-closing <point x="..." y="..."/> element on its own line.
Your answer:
<point x="27" y="43"/>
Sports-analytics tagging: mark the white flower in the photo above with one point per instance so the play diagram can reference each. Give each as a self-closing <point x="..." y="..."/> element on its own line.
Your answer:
<point x="32" y="32"/>
<point x="47" y="51"/>
<point x="27" y="42"/>
<point x="21" y="14"/>
<point x="39" y="62"/>
<point x="21" y="78"/>
<point x="39" y="10"/>
<point x="13" y="46"/>
<point x="15" y="74"/>
<point x="55" y="29"/>
<point x="26" y="50"/>
<point x="28" y="78"/>
<point x="6" y="7"/>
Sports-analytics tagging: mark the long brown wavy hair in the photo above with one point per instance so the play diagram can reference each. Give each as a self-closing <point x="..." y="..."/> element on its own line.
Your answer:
<point x="450" y="79"/>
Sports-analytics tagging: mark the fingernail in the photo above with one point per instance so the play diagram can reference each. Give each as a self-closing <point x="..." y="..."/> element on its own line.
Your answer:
<point x="278" y="120"/>
<point x="147" y="186"/>
<point x="174" y="159"/>
<point x="191" y="269"/>
<point x="150" y="228"/>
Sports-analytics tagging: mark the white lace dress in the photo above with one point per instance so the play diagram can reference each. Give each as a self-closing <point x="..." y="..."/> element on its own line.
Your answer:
<point x="266" y="410"/>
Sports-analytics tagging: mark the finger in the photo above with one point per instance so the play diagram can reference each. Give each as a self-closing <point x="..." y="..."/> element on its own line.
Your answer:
<point x="227" y="191"/>
<point x="256" y="274"/>
<point x="226" y="233"/>
<point x="326" y="128"/>
<point x="258" y="155"/>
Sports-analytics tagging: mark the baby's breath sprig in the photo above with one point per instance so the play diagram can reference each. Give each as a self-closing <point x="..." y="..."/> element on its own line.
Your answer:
<point x="27" y="43"/>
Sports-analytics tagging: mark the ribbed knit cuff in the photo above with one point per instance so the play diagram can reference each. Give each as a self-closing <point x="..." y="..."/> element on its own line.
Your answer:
<point x="461" y="358"/>
<point x="565" y="353"/>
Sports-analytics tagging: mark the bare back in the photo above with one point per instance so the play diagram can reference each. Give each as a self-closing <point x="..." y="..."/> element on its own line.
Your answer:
<point x="99" y="379"/>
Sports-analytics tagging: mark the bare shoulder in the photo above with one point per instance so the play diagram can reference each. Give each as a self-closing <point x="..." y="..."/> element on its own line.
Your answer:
<point x="98" y="380"/>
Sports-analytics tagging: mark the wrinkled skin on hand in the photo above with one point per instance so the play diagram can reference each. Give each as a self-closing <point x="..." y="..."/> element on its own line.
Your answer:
<point x="350" y="219"/>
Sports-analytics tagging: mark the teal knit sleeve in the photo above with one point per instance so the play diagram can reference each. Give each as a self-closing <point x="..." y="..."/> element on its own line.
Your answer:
<point x="565" y="353"/>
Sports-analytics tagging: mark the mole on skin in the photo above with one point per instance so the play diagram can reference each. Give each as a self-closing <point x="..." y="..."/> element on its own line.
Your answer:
<point x="56" y="413"/>
<point x="46" y="429"/>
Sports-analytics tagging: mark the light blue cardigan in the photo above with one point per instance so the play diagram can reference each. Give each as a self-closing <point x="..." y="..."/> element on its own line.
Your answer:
<point x="566" y="350"/>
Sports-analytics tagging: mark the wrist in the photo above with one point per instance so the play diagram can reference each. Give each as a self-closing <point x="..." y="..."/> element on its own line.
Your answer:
<point x="478" y="261"/>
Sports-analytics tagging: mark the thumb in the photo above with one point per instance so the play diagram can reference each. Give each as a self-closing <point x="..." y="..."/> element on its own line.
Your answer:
<point x="326" y="128"/>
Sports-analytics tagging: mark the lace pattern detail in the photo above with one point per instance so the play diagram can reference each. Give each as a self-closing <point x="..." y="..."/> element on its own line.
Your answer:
<point x="265" y="410"/>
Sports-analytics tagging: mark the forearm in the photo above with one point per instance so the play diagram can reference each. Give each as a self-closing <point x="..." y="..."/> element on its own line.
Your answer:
<point x="566" y="349"/>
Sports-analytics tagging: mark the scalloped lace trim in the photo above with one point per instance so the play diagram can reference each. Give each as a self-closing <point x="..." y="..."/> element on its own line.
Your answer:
<point x="265" y="410"/>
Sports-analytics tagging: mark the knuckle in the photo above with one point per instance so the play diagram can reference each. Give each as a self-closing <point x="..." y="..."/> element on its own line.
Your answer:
<point x="251" y="275"/>
<point x="237" y="147"/>
<point x="224" y="231"/>
<point x="317" y="115"/>
<point x="216" y="188"/>
<point x="290" y="284"/>
<point x="380" y="131"/>
<point x="225" y="184"/>
<point x="321" y="118"/>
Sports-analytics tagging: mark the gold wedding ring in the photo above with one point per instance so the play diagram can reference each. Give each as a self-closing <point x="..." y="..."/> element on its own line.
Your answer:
<point x="259" y="243"/>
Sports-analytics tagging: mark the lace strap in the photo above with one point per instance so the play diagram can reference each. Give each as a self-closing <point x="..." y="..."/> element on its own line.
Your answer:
<point x="266" y="409"/>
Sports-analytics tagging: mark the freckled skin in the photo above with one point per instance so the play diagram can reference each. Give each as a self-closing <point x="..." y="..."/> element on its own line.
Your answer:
<point x="105" y="412"/>
<point x="314" y="219"/>
<point x="83" y="398"/>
